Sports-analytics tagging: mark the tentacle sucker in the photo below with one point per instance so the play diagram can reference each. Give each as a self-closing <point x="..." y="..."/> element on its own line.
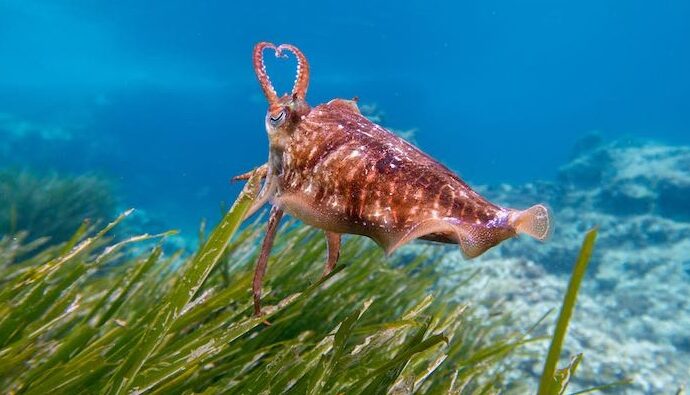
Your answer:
<point x="302" y="77"/>
<point x="299" y="89"/>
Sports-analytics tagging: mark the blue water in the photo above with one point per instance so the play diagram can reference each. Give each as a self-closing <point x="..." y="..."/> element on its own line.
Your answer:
<point x="162" y="98"/>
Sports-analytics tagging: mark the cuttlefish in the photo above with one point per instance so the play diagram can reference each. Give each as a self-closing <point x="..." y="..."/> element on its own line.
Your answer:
<point x="334" y="169"/>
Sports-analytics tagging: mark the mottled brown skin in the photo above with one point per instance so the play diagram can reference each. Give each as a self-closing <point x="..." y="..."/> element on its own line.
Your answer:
<point x="334" y="169"/>
<point x="341" y="172"/>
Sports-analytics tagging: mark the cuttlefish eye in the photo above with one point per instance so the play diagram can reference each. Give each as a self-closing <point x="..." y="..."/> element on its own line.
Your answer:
<point x="277" y="120"/>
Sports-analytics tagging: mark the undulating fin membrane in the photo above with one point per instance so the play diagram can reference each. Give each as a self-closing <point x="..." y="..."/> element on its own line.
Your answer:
<point x="476" y="240"/>
<point x="473" y="240"/>
<point x="535" y="221"/>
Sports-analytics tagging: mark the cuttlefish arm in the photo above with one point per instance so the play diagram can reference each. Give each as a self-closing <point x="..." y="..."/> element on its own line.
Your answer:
<point x="261" y="170"/>
<point x="333" y="239"/>
<point x="473" y="239"/>
<point x="267" y="190"/>
<point x="261" y="264"/>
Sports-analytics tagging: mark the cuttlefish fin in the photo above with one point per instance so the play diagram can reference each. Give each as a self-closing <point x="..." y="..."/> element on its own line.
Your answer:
<point x="534" y="221"/>
<point x="392" y="241"/>
<point x="347" y="104"/>
<point x="473" y="240"/>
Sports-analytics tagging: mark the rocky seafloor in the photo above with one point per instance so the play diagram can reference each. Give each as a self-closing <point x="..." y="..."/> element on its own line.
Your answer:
<point x="632" y="319"/>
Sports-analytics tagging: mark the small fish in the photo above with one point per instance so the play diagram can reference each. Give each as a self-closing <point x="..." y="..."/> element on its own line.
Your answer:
<point x="334" y="169"/>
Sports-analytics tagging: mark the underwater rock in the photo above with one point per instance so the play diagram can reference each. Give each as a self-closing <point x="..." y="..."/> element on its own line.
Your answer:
<point x="674" y="198"/>
<point x="629" y="178"/>
<point x="586" y="171"/>
<point x="633" y="312"/>
<point x="638" y="193"/>
<point x="626" y="199"/>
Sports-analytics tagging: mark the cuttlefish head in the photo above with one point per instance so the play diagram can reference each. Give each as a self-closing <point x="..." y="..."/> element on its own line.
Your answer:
<point x="284" y="113"/>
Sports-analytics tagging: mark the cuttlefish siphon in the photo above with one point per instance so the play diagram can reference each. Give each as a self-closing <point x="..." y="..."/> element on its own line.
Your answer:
<point x="334" y="169"/>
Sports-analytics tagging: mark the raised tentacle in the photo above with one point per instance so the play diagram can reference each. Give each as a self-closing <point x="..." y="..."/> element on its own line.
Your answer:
<point x="302" y="78"/>
<point x="260" y="70"/>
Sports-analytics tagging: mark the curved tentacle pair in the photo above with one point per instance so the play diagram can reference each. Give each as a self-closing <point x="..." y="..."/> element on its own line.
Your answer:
<point x="301" y="80"/>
